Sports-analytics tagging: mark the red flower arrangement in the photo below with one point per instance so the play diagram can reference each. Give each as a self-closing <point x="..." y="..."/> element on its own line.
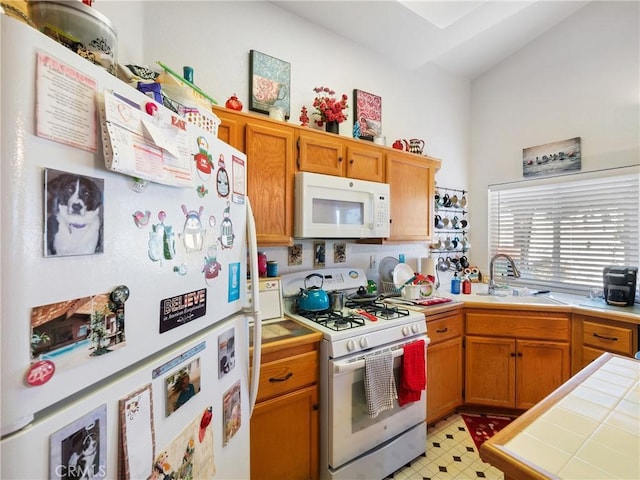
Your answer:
<point x="328" y="108"/>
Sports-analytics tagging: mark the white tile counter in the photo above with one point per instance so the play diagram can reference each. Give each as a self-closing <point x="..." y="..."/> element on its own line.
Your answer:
<point x="589" y="428"/>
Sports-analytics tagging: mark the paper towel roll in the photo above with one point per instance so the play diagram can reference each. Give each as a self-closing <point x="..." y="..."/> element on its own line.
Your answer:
<point x="428" y="267"/>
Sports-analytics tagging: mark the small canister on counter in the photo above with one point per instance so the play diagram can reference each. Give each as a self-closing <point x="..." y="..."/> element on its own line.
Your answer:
<point x="466" y="285"/>
<point x="262" y="264"/>
<point x="272" y="268"/>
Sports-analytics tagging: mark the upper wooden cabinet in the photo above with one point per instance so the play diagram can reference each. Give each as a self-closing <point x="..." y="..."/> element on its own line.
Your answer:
<point x="365" y="162"/>
<point x="339" y="156"/>
<point x="412" y="180"/>
<point x="270" y="171"/>
<point x="276" y="150"/>
<point x="320" y="153"/>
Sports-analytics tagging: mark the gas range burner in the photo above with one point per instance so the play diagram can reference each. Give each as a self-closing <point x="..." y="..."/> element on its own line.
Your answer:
<point x="380" y="310"/>
<point x="333" y="320"/>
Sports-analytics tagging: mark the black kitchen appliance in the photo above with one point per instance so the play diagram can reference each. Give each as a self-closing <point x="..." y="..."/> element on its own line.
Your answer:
<point x="620" y="285"/>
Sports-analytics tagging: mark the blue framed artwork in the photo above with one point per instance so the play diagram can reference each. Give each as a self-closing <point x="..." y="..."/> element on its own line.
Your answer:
<point x="269" y="83"/>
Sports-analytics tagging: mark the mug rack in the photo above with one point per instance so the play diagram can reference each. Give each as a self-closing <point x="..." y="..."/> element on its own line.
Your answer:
<point x="450" y="223"/>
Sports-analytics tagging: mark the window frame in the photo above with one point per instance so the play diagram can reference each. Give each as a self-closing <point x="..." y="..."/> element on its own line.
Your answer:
<point x="562" y="231"/>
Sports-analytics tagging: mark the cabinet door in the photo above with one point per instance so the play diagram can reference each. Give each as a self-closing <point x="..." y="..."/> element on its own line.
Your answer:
<point x="411" y="181"/>
<point x="284" y="437"/>
<point x="541" y="367"/>
<point x="270" y="181"/>
<point x="490" y="371"/>
<point x="444" y="378"/>
<point x="320" y="153"/>
<point x="365" y="163"/>
<point x="231" y="129"/>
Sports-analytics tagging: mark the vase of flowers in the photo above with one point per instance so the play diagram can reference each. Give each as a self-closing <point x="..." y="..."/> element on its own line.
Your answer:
<point x="330" y="111"/>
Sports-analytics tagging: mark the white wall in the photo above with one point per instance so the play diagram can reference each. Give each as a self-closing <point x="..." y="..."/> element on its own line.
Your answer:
<point x="580" y="79"/>
<point x="215" y="38"/>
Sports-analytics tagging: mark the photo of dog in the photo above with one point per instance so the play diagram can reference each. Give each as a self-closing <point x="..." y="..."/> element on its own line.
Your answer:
<point x="74" y="209"/>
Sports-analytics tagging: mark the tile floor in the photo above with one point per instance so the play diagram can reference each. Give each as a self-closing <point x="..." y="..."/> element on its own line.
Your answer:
<point x="451" y="454"/>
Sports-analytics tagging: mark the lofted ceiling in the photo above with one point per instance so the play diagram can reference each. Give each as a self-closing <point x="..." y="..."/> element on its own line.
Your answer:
<point x="466" y="38"/>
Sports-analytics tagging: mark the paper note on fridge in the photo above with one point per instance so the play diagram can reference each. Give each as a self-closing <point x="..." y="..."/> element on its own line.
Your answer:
<point x="151" y="147"/>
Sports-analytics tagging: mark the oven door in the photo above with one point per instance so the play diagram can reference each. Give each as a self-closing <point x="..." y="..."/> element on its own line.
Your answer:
<point x="351" y="430"/>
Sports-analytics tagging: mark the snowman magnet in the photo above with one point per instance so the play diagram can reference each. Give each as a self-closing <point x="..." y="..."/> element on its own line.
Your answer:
<point x="222" y="178"/>
<point x="193" y="232"/>
<point x="204" y="162"/>
<point x="211" y="267"/>
<point x="226" y="229"/>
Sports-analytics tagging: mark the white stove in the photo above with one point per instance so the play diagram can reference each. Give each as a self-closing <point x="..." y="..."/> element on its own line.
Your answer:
<point x="353" y="328"/>
<point x="351" y="442"/>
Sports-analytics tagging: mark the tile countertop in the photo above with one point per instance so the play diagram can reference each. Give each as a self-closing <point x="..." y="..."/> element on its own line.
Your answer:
<point x="588" y="428"/>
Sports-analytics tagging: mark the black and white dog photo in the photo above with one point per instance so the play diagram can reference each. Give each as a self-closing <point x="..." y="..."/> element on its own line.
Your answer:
<point x="74" y="214"/>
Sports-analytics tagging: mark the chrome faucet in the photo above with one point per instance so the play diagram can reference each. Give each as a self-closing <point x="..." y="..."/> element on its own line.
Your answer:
<point x="492" y="282"/>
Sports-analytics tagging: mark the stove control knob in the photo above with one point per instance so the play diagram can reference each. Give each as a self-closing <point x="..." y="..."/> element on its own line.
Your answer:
<point x="406" y="331"/>
<point x="363" y="342"/>
<point x="415" y="328"/>
<point x="351" y="345"/>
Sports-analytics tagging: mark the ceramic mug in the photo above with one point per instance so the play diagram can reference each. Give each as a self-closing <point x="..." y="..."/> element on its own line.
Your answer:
<point x="416" y="145"/>
<point x="443" y="265"/>
<point x="411" y="292"/>
<point x="438" y="221"/>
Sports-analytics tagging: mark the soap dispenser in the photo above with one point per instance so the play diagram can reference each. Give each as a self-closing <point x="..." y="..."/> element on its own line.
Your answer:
<point x="455" y="284"/>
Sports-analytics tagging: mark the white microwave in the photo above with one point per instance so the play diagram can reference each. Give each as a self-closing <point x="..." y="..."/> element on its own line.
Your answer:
<point x="327" y="206"/>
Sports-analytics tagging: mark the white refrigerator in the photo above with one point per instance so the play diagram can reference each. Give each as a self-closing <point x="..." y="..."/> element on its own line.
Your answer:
<point x="125" y="234"/>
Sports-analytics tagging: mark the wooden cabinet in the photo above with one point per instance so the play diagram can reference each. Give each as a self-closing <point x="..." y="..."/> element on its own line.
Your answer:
<point x="320" y="153"/>
<point x="284" y="424"/>
<point x="444" y="363"/>
<point x="411" y="179"/>
<point x="269" y="146"/>
<point x="593" y="336"/>
<point x="514" y="359"/>
<point x="332" y="155"/>
<point x="276" y="150"/>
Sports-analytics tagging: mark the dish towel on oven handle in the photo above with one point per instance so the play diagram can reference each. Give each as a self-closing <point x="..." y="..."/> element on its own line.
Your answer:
<point x="414" y="375"/>
<point x="379" y="383"/>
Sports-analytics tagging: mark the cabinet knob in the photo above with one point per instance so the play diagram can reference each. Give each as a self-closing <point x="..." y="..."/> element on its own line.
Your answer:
<point x="519" y="354"/>
<point x="351" y="161"/>
<point x="340" y="159"/>
<point x="513" y="354"/>
<point x="442" y="330"/>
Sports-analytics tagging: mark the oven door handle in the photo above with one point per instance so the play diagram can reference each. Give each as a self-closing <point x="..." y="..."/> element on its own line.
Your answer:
<point x="346" y="367"/>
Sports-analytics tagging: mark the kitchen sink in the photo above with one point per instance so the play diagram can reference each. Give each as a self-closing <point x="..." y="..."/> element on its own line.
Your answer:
<point x="529" y="300"/>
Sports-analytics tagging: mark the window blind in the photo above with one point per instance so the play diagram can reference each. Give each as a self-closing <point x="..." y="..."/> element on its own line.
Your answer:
<point x="562" y="233"/>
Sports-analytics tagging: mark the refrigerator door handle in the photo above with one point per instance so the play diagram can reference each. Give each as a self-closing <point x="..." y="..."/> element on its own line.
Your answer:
<point x="257" y="319"/>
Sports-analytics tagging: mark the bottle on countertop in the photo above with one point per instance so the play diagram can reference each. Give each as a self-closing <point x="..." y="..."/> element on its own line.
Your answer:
<point x="466" y="285"/>
<point x="455" y="284"/>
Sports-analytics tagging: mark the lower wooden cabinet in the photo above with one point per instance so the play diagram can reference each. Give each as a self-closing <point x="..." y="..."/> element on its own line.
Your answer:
<point x="284" y="424"/>
<point x="284" y="433"/>
<point x="514" y="359"/>
<point x="444" y="363"/>
<point x="593" y="336"/>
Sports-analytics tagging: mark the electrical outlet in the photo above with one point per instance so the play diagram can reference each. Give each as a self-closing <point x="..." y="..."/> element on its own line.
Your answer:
<point x="373" y="262"/>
